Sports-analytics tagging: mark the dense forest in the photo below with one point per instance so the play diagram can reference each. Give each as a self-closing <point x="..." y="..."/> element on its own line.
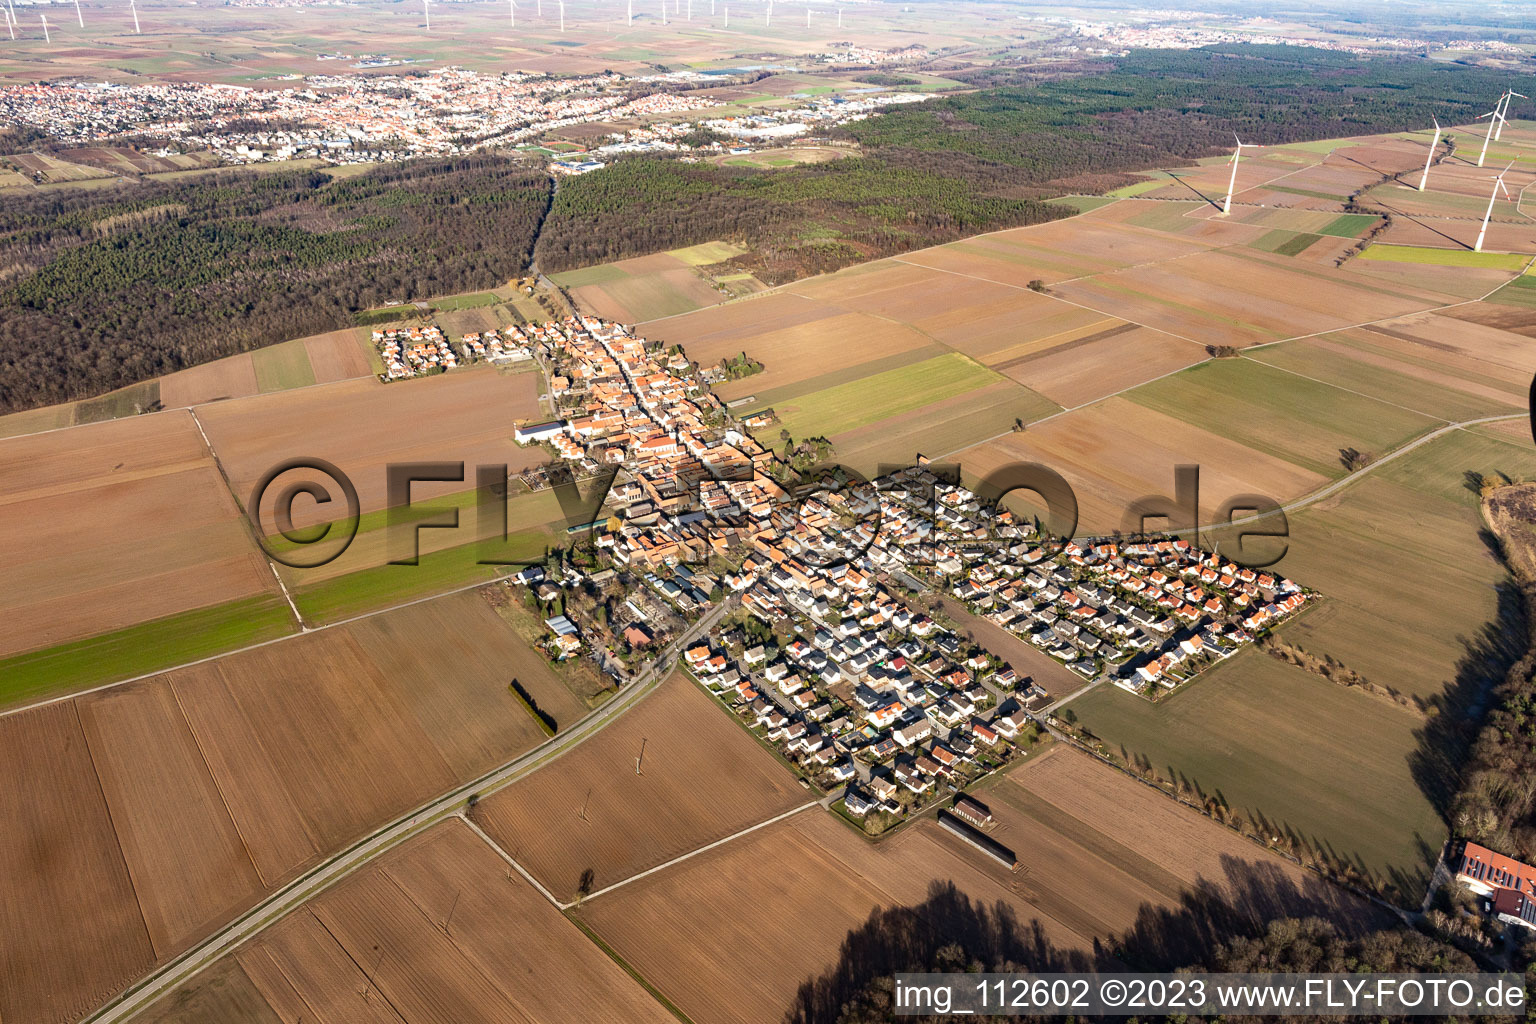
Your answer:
<point x="801" y="221"/>
<point x="1155" y="107"/>
<point x="102" y="288"/>
<point x="972" y="162"/>
<point x="949" y="933"/>
<point x="1497" y="802"/>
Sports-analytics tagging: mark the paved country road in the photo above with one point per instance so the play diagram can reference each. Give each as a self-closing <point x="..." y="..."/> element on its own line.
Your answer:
<point x="142" y="993"/>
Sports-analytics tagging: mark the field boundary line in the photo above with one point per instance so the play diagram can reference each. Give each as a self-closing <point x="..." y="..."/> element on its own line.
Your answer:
<point x="1059" y="298"/>
<point x="117" y="836"/>
<point x="293" y="895"/>
<point x="504" y="855"/>
<point x="197" y="742"/>
<point x="179" y="408"/>
<point x="251" y="527"/>
<point x="1352" y="391"/>
<point x="71" y="695"/>
<point x="694" y="853"/>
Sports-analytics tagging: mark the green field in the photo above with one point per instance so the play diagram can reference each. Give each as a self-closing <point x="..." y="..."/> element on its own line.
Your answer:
<point x="1446" y="257"/>
<point x="129" y="401"/>
<point x="1348" y="225"/>
<point x="147" y="647"/>
<point x="474" y="300"/>
<point x="1519" y="292"/>
<point x="1285" y="243"/>
<point x="1140" y="188"/>
<point x="1303" y="421"/>
<point x="438" y="571"/>
<point x="1401" y="554"/>
<point x="649" y="297"/>
<point x="1171" y="217"/>
<point x="1308" y="193"/>
<point x="706" y="253"/>
<point x="1330" y="765"/>
<point x="844" y="407"/>
<point x="1082" y="204"/>
<point x="600" y="274"/>
<point x="281" y="367"/>
<point x="1439" y="398"/>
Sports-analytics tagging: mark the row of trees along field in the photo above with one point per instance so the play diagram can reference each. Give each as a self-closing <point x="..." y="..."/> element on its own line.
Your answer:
<point x="950" y="933"/>
<point x="102" y="288"/>
<point x="972" y="162"/>
<point x="1496" y="805"/>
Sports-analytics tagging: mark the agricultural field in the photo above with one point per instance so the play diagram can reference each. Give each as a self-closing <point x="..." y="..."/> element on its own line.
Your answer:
<point x="1119" y="450"/>
<point x="58" y="854"/>
<point x="112" y="525"/>
<point x="272" y="757"/>
<point x="1434" y="381"/>
<point x="358" y="426"/>
<point x="1443" y="257"/>
<point x="1058" y="813"/>
<point x="1413" y="519"/>
<point x="653" y="287"/>
<point x="844" y="407"/>
<point x="322" y="359"/>
<point x="1337" y="769"/>
<point x="1282" y="413"/>
<point x="1239" y="297"/>
<point x="592" y="810"/>
<point x="786" y="157"/>
<point x="462" y="937"/>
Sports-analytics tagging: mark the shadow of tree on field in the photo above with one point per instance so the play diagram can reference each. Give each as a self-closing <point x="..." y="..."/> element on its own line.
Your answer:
<point x="949" y="931"/>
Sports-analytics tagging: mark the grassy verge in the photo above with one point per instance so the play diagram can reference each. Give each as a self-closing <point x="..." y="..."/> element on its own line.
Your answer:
<point x="1511" y="261"/>
<point x="141" y="649"/>
<point x="381" y="586"/>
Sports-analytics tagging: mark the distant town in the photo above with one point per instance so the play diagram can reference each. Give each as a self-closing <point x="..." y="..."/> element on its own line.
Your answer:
<point x="361" y="118"/>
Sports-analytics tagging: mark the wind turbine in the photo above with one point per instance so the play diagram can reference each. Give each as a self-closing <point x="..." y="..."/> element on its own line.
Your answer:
<point x="1424" y="178"/>
<point x="1493" y="116"/>
<point x="690" y="10"/>
<point x="46" y="37"/>
<point x="727" y="16"/>
<point x="9" y="23"/>
<point x="1509" y="97"/>
<point x="562" y="17"/>
<point x="663" y="12"/>
<point x="1226" y="206"/>
<point x="78" y="16"/>
<point x="426" y="12"/>
<point x="839" y="17"/>
<point x="768" y="18"/>
<point x="136" y="30"/>
<point x="1498" y="183"/>
<point x="511" y="11"/>
<point x="630" y="14"/>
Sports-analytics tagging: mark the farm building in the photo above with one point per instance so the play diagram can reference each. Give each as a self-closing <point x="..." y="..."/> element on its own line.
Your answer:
<point x="973" y="812"/>
<point x="538" y="432"/>
<point x="991" y="847"/>
<point x="1485" y="872"/>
